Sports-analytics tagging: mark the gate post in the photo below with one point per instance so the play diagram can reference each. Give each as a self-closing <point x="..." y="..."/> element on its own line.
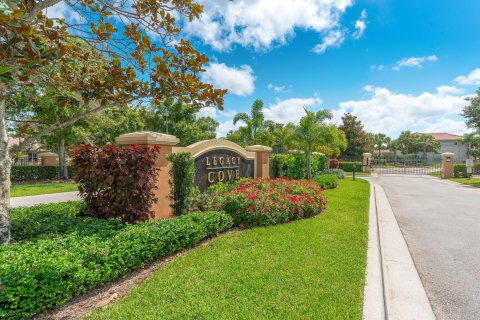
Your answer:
<point x="262" y="154"/>
<point x="162" y="208"/>
<point x="367" y="161"/>
<point x="447" y="165"/>
<point x="48" y="159"/>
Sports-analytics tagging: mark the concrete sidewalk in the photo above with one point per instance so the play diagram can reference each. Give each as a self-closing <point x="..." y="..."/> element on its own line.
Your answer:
<point x="393" y="287"/>
<point x="44" y="198"/>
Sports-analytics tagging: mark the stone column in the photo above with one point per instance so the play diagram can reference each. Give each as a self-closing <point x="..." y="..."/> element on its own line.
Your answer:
<point x="367" y="161"/>
<point x="162" y="208"/>
<point x="263" y="160"/>
<point x="447" y="165"/>
<point x="48" y="159"/>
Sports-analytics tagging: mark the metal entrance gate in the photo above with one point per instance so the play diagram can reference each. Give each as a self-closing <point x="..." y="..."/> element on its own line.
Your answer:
<point x="414" y="167"/>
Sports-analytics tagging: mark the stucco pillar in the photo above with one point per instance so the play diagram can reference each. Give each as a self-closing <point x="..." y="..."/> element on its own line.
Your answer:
<point x="162" y="208"/>
<point x="263" y="160"/>
<point x="447" y="165"/>
<point x="367" y="161"/>
<point x="48" y="159"/>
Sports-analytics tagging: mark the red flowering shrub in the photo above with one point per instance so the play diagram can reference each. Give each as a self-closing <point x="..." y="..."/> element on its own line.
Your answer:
<point x="116" y="182"/>
<point x="334" y="163"/>
<point x="261" y="202"/>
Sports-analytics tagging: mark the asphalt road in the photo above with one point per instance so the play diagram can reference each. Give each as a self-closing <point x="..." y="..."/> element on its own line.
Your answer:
<point x="44" y="198"/>
<point x="440" y="221"/>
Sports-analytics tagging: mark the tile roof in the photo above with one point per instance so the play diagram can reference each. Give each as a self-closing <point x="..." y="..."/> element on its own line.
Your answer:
<point x="445" y="136"/>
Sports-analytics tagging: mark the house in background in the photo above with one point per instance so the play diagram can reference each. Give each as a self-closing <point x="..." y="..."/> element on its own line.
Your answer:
<point x="448" y="143"/>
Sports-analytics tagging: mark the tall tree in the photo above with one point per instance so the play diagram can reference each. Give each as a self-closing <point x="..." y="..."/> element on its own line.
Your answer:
<point x="426" y="143"/>
<point x="472" y="142"/>
<point x="252" y="131"/>
<point x="472" y="112"/>
<point x="313" y="132"/>
<point x="180" y="120"/>
<point x="122" y="32"/>
<point x="357" y="138"/>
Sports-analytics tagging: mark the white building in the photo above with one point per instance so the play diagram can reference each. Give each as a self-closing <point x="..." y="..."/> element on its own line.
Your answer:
<point x="448" y="143"/>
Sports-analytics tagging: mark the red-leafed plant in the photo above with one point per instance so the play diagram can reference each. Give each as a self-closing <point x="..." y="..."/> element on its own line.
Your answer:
<point x="263" y="201"/>
<point x="333" y="163"/>
<point x="116" y="182"/>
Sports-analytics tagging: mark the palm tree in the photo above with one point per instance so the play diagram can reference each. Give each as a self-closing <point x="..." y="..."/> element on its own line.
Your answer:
<point x="426" y="143"/>
<point x="381" y="141"/>
<point x="313" y="132"/>
<point x="254" y="123"/>
<point x="472" y="142"/>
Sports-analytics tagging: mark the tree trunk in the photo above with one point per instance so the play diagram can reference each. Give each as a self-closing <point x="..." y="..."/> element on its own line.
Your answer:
<point x="62" y="159"/>
<point x="5" y="168"/>
<point x="309" y="164"/>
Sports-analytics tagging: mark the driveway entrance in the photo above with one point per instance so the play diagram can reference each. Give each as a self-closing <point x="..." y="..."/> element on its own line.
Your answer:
<point x="440" y="221"/>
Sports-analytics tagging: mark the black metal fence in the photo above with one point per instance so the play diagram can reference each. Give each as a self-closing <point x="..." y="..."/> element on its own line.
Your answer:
<point x="411" y="167"/>
<point x="26" y="162"/>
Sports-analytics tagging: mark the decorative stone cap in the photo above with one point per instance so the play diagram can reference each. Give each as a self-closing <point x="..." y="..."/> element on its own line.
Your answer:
<point x="318" y="153"/>
<point x="47" y="154"/>
<point x="258" y="148"/>
<point x="447" y="154"/>
<point x="147" y="138"/>
<point x="367" y="154"/>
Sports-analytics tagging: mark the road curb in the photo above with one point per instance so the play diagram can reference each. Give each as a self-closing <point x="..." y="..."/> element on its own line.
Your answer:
<point x="374" y="302"/>
<point x="390" y="266"/>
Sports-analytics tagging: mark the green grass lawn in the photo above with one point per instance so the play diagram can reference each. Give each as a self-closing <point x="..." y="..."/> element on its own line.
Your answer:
<point x="309" y="269"/>
<point x="21" y="190"/>
<point x="474" y="182"/>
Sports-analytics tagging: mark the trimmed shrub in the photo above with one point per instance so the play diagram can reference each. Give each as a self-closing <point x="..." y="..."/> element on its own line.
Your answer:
<point x="262" y="202"/>
<point x="333" y="163"/>
<point x="182" y="176"/>
<point x="459" y="170"/>
<point x="293" y="166"/>
<point x="348" y="166"/>
<point x="116" y="182"/>
<point x="52" y="265"/>
<point x="338" y="172"/>
<point x="327" y="181"/>
<point x="32" y="173"/>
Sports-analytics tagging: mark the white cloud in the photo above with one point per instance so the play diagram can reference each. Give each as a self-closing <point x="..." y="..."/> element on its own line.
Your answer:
<point x="445" y="90"/>
<point x="62" y="10"/>
<point x="290" y="110"/>
<point x="379" y="67"/>
<point x="263" y="23"/>
<point x="226" y="127"/>
<point x="473" y="78"/>
<point x="334" y="38"/>
<point x="414" y="62"/>
<point x="389" y="112"/>
<point x="448" y="125"/>
<point x="360" y="25"/>
<point x="276" y="89"/>
<point x="239" y="81"/>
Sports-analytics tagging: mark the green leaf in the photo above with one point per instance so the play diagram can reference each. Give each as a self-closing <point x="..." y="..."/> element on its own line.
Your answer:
<point x="13" y="23"/>
<point x="5" y="69"/>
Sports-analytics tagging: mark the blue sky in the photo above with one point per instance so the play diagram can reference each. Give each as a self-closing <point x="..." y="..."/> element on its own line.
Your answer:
<point x="397" y="65"/>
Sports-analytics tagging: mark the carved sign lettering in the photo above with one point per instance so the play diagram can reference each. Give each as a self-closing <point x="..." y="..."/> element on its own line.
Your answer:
<point x="221" y="166"/>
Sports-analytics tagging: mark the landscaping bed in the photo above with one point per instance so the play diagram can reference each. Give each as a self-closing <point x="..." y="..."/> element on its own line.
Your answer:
<point x="308" y="269"/>
<point x="58" y="254"/>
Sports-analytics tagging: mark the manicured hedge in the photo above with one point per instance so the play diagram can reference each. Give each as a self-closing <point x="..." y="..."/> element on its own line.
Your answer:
<point x="460" y="169"/>
<point x="327" y="181"/>
<point x="293" y="166"/>
<point x="31" y="173"/>
<point x="348" y="166"/>
<point x="338" y="172"/>
<point x="61" y="254"/>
